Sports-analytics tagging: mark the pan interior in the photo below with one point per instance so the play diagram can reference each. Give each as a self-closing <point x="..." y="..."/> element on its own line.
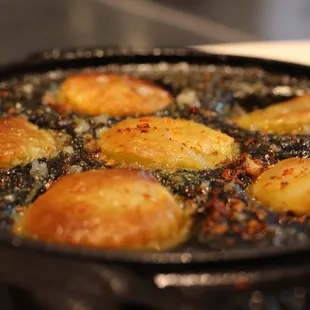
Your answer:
<point x="227" y="219"/>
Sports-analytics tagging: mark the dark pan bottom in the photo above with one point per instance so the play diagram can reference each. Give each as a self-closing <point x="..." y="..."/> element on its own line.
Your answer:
<point x="290" y="299"/>
<point x="40" y="282"/>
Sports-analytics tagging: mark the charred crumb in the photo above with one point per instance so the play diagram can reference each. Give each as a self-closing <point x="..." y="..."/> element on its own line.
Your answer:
<point x="225" y="214"/>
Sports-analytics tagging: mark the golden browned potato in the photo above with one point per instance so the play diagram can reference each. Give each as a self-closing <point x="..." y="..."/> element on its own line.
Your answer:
<point x="22" y="141"/>
<point x="291" y="116"/>
<point x="285" y="186"/>
<point x="111" y="94"/>
<point x="165" y="143"/>
<point x="113" y="208"/>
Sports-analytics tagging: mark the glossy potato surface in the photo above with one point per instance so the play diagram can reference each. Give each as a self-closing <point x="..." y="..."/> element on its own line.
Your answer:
<point x="166" y="143"/>
<point x="113" y="208"/>
<point x="291" y="116"/>
<point x="111" y="94"/>
<point x="285" y="186"/>
<point x="21" y="142"/>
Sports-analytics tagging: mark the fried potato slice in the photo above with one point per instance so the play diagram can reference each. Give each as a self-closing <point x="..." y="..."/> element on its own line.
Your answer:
<point x="166" y="143"/>
<point x="21" y="142"/>
<point x="111" y="94"/>
<point x="113" y="208"/>
<point x="285" y="186"/>
<point x="288" y="117"/>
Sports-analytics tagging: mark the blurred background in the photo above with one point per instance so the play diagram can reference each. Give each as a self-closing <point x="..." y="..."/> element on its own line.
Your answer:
<point x="31" y="25"/>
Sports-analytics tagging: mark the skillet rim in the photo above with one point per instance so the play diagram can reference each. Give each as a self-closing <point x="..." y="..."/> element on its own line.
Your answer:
<point x="60" y="59"/>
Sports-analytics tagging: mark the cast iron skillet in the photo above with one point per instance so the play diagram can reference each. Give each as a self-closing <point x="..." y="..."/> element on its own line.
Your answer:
<point x="80" y="58"/>
<point x="30" y="258"/>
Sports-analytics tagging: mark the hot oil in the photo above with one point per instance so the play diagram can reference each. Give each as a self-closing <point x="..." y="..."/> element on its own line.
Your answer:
<point x="226" y="216"/>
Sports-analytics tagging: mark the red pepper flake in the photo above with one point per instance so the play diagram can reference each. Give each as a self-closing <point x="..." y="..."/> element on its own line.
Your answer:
<point x="244" y="156"/>
<point x="145" y="125"/>
<point x="283" y="184"/>
<point x="267" y="184"/>
<point x="144" y="119"/>
<point x="288" y="171"/>
<point x="226" y="174"/>
<point x="146" y="196"/>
